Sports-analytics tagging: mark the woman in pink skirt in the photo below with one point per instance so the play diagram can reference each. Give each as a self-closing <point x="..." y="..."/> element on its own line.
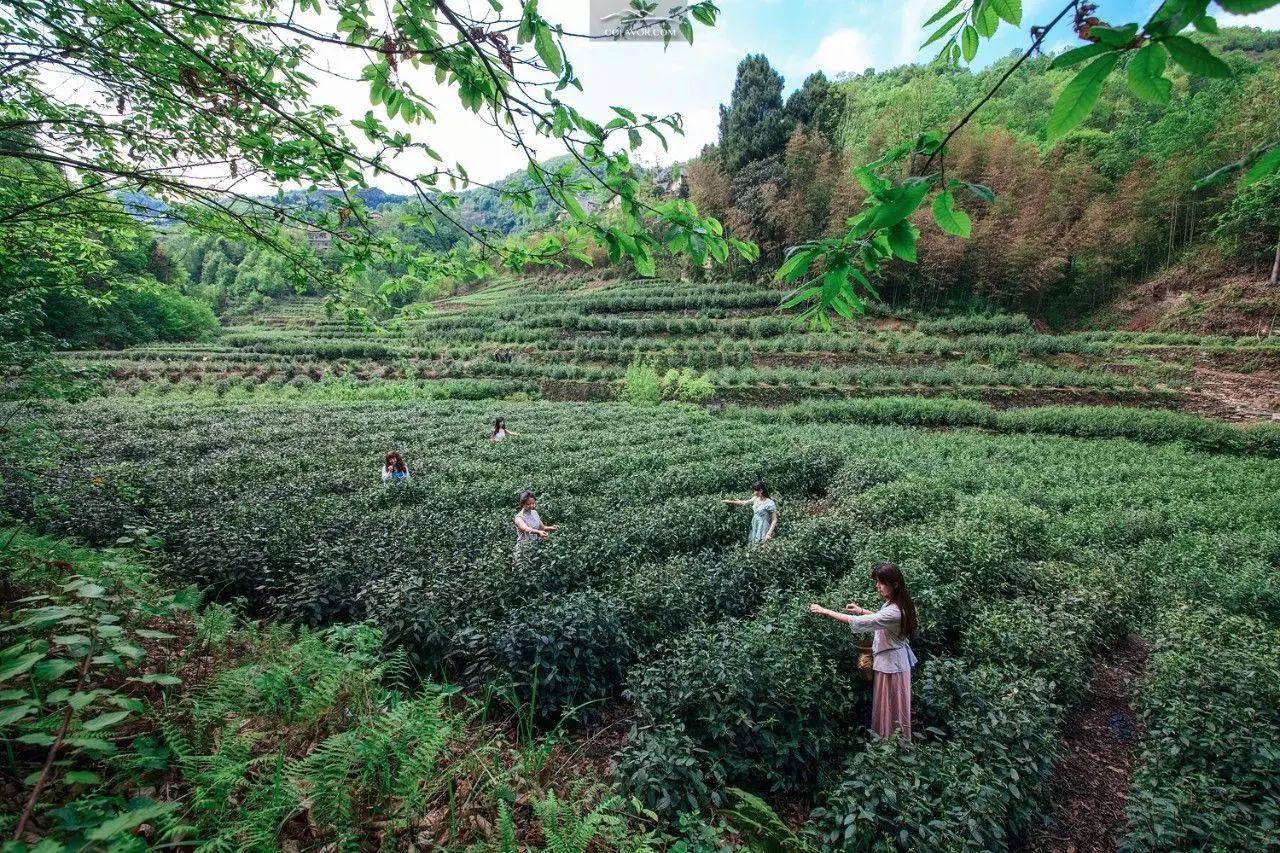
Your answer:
<point x="894" y="624"/>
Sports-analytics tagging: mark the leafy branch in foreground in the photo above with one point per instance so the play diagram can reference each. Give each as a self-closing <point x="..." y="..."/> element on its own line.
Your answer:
<point x="196" y="102"/>
<point x="836" y="274"/>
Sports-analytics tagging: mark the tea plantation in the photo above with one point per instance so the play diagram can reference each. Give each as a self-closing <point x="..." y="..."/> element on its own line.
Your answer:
<point x="1034" y="538"/>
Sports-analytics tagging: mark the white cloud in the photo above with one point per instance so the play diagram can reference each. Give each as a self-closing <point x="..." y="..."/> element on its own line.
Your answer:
<point x="846" y="49"/>
<point x="911" y="17"/>
<point x="1267" y="20"/>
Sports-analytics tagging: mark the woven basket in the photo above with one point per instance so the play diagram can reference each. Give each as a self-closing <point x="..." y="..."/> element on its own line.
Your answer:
<point x="866" y="661"/>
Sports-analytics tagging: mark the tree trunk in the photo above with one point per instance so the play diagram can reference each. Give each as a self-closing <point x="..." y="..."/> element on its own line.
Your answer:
<point x="1275" y="265"/>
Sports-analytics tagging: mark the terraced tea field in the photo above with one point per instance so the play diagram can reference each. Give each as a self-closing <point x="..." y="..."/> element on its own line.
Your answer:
<point x="567" y="342"/>
<point x="1034" y="539"/>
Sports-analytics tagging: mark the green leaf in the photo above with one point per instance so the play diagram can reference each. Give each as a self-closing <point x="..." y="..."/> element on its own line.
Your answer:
<point x="92" y="745"/>
<point x="799" y="295"/>
<point x="1115" y="37"/>
<point x="902" y="240"/>
<point x="19" y="666"/>
<point x="1078" y="98"/>
<point x="982" y="192"/>
<point x="986" y="22"/>
<point x="796" y="266"/>
<point x="969" y="42"/>
<point x="1195" y="58"/>
<point x="55" y="668"/>
<point x="1267" y="164"/>
<point x="944" y="29"/>
<point x="644" y="262"/>
<point x="37" y="739"/>
<point x="1206" y="24"/>
<point x="548" y="51"/>
<point x="129" y="650"/>
<point x="81" y="777"/>
<point x="950" y="218"/>
<point x="150" y="634"/>
<point x="1146" y="75"/>
<point x="897" y="206"/>
<point x="14" y="713"/>
<point x="1010" y="10"/>
<point x="1077" y="55"/>
<point x="136" y="816"/>
<point x="82" y="699"/>
<point x="941" y="13"/>
<point x="70" y="639"/>
<point x="103" y="721"/>
<point x="686" y="29"/>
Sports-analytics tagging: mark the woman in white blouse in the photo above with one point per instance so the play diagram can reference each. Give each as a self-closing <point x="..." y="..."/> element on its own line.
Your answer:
<point x="894" y="625"/>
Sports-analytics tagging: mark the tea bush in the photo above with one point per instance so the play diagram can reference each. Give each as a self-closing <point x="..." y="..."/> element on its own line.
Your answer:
<point x="1206" y="761"/>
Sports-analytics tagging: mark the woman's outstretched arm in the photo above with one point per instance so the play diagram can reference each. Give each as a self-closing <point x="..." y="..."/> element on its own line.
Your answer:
<point x="819" y="610"/>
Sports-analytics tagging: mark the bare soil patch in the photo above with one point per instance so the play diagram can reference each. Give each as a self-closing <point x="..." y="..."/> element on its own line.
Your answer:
<point x="1090" y="784"/>
<point x="1231" y="396"/>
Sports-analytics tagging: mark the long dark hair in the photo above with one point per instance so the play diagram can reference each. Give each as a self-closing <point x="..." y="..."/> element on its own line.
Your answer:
<point x="498" y="424"/>
<point x="759" y="486"/>
<point x="399" y="461"/>
<point x="891" y="576"/>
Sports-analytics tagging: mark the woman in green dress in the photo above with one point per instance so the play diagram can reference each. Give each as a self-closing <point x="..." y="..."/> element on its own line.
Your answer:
<point x="764" y="513"/>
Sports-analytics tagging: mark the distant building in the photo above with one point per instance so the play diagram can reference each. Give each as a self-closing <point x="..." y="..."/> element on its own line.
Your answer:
<point x="321" y="240"/>
<point x="318" y="239"/>
<point x="670" y="183"/>
<point x="588" y="205"/>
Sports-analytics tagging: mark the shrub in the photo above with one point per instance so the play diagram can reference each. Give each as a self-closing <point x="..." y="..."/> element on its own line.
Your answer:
<point x="686" y="386"/>
<point x="1206" y="769"/>
<point x="978" y="789"/>
<point x="641" y="386"/>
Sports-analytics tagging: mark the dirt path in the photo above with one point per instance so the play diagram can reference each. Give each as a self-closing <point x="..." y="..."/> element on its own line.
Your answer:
<point x="1233" y="396"/>
<point x="1091" y="782"/>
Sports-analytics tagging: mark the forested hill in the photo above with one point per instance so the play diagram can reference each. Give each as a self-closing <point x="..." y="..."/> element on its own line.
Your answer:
<point x="1102" y="228"/>
<point x="1109" y="206"/>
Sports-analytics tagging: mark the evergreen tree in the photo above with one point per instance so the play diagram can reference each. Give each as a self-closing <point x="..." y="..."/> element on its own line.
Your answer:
<point x="816" y="105"/>
<point x="754" y="125"/>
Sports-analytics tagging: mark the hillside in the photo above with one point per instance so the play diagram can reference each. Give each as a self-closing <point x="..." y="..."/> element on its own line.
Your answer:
<point x="641" y="665"/>
<point x="566" y="341"/>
